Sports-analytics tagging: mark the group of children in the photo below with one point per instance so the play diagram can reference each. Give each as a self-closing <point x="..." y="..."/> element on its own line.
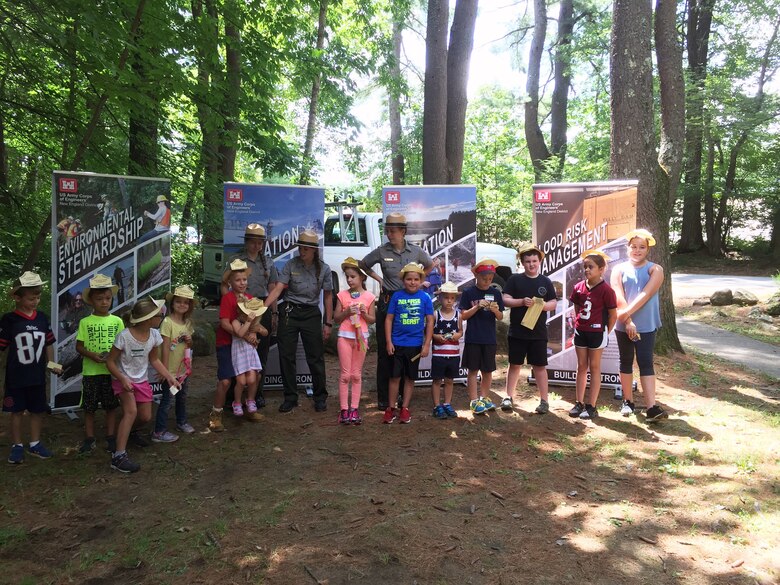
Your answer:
<point x="120" y="355"/>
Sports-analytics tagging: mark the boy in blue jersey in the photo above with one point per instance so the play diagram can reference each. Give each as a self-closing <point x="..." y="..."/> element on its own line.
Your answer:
<point x="27" y="333"/>
<point x="408" y="332"/>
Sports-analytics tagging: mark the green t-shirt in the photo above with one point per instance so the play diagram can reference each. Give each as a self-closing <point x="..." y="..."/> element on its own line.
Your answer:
<point x="98" y="334"/>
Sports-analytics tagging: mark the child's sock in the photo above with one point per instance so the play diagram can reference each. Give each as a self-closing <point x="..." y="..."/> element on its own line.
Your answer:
<point x="118" y="453"/>
<point x="18" y="444"/>
<point x="215" y="409"/>
<point x="33" y="443"/>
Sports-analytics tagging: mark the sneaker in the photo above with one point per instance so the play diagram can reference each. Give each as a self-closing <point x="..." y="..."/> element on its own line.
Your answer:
<point x="253" y="416"/>
<point x="111" y="444"/>
<point x="449" y="410"/>
<point x="17" y="454"/>
<point x="185" y="428"/>
<point x="406" y="416"/>
<point x="40" y="450"/>
<point x="138" y="440"/>
<point x="439" y="412"/>
<point x="320" y="405"/>
<point x="164" y="437"/>
<point x="506" y="404"/>
<point x="344" y="417"/>
<point x="215" y="422"/>
<point x="627" y="409"/>
<point x="487" y="403"/>
<point x="543" y="408"/>
<point x="389" y="415"/>
<point x="287" y="406"/>
<point x="260" y="401"/>
<point x="251" y="406"/>
<point x="618" y="393"/>
<point x="655" y="413"/>
<point x="123" y="464"/>
<point x="577" y="409"/>
<point x="354" y="417"/>
<point x="477" y="407"/>
<point x="590" y="413"/>
<point x="87" y="446"/>
<point x="238" y="409"/>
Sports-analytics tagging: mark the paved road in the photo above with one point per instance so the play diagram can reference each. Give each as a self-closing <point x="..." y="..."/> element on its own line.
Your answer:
<point x="747" y="352"/>
<point x="694" y="286"/>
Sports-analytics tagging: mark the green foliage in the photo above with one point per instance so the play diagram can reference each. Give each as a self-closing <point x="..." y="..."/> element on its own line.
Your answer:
<point x="186" y="265"/>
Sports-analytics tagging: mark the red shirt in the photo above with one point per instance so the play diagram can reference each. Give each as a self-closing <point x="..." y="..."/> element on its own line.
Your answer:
<point x="592" y="306"/>
<point x="228" y="309"/>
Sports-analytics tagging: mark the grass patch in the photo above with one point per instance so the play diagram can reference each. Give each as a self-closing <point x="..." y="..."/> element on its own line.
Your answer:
<point x="12" y="535"/>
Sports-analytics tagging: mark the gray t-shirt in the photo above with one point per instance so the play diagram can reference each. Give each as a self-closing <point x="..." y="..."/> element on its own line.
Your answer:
<point x="303" y="286"/>
<point x="392" y="262"/>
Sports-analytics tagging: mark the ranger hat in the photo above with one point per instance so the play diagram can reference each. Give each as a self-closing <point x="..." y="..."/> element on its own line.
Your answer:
<point x="255" y="306"/>
<point x="158" y="305"/>
<point x="395" y="219"/>
<point x="413" y="267"/>
<point x="26" y="280"/>
<point x="308" y="239"/>
<point x="254" y="230"/>
<point x="350" y="262"/>
<point x="236" y="265"/>
<point x="184" y="292"/>
<point x="448" y="288"/>
<point x="604" y="255"/>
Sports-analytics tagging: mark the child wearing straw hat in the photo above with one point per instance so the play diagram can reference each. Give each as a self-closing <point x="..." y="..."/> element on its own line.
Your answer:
<point x="176" y="355"/>
<point x="134" y="350"/>
<point x="481" y="306"/>
<point x="408" y="332"/>
<point x="26" y="332"/>
<point x="246" y="362"/>
<point x="94" y="340"/>
<point x="445" y="362"/>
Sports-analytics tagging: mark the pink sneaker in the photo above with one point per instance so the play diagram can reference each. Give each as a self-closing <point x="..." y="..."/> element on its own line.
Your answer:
<point x="251" y="406"/>
<point x="354" y="417"/>
<point x="237" y="409"/>
<point x="344" y="416"/>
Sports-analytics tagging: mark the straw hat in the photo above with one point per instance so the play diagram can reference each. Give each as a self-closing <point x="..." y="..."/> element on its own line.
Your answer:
<point x="161" y="198"/>
<point x="485" y="265"/>
<point x="604" y="255"/>
<point x="255" y="306"/>
<point x="98" y="282"/>
<point x="350" y="262"/>
<point x="158" y="305"/>
<point x="184" y="291"/>
<point x="641" y="233"/>
<point x="26" y="280"/>
<point x="236" y="265"/>
<point x="395" y="219"/>
<point x="525" y="248"/>
<point x="413" y="267"/>
<point x="308" y="239"/>
<point x="254" y="230"/>
<point x="448" y="287"/>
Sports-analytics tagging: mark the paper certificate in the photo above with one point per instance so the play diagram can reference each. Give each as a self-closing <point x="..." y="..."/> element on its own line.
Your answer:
<point x="532" y="314"/>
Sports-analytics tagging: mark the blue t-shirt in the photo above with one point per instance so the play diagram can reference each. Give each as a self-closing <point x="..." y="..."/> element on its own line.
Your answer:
<point x="409" y="312"/>
<point x="481" y="326"/>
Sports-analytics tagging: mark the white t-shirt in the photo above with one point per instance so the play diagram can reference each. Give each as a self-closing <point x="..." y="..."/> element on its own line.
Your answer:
<point x="134" y="360"/>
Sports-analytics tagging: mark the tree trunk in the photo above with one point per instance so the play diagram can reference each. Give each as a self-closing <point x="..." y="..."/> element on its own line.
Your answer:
<point x="311" y="126"/>
<point x="5" y="196"/>
<point x="231" y="105"/>
<point x="559" y="121"/>
<point x="45" y="229"/>
<point x="537" y="147"/>
<point x="435" y="95"/>
<point x="697" y="42"/>
<point x="458" y="59"/>
<point x="672" y="87"/>
<point x="394" y="105"/>
<point x="774" y="242"/>
<point x="144" y="118"/>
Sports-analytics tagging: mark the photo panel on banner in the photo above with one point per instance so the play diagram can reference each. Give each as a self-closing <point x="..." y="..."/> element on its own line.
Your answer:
<point x="570" y="218"/>
<point x="118" y="226"/>
<point x="284" y="211"/>
<point x="442" y="220"/>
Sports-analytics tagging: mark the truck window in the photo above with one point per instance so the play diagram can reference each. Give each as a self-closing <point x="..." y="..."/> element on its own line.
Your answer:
<point x="334" y="236"/>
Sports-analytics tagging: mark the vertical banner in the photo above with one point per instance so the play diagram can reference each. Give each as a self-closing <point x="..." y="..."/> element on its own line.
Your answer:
<point x="113" y="225"/>
<point x="568" y="219"/>
<point x="284" y="211"/>
<point x="442" y="220"/>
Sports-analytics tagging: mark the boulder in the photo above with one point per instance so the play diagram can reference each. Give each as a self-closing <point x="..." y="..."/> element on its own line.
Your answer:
<point x="773" y="305"/>
<point x="204" y="339"/>
<point x="721" y="297"/>
<point x="744" y="298"/>
<point x="758" y="315"/>
<point x="701" y="302"/>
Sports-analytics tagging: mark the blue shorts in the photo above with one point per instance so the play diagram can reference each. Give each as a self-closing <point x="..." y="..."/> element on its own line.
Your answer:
<point x="444" y="368"/>
<point x="30" y="398"/>
<point x="225" y="369"/>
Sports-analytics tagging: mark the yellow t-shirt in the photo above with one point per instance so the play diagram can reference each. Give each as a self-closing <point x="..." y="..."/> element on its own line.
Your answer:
<point x="173" y="331"/>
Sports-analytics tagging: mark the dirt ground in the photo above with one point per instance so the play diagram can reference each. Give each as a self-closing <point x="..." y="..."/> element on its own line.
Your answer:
<point x="499" y="499"/>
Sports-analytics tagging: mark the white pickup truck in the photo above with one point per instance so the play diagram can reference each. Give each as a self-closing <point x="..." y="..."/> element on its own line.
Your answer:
<point x="344" y="237"/>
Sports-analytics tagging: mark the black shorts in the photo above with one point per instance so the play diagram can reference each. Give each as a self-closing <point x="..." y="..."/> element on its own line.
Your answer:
<point x="591" y="339"/>
<point x="534" y="349"/>
<point x="30" y="398"/>
<point x="479" y="356"/>
<point x="403" y="366"/>
<point x="444" y="368"/>
<point x="96" y="391"/>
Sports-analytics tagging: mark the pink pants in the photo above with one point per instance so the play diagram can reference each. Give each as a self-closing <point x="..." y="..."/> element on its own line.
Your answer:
<point x="351" y="359"/>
